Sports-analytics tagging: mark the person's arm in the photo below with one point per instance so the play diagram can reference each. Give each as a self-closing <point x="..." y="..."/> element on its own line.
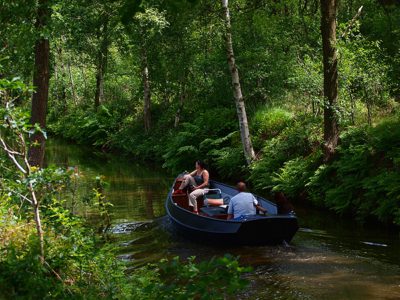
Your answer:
<point x="230" y="216"/>
<point x="192" y="173"/>
<point x="258" y="206"/>
<point x="206" y="177"/>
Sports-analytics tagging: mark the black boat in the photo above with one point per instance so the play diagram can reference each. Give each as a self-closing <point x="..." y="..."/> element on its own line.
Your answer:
<point x="211" y="225"/>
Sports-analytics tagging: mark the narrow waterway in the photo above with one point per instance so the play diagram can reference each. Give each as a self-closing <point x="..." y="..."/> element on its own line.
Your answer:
<point x="329" y="258"/>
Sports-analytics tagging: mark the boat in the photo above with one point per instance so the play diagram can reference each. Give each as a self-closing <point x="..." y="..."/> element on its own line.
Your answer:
<point x="211" y="224"/>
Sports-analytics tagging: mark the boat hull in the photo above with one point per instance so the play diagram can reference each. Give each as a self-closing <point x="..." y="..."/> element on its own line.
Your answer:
<point x="255" y="230"/>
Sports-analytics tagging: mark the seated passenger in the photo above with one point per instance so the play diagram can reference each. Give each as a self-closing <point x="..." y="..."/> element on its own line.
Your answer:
<point x="198" y="181"/>
<point x="243" y="204"/>
<point x="283" y="204"/>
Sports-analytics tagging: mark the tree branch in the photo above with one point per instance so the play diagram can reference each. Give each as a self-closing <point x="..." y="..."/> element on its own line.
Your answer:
<point x="11" y="154"/>
<point x="346" y="31"/>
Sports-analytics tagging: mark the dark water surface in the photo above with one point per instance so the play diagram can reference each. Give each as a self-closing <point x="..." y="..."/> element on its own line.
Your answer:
<point x="328" y="258"/>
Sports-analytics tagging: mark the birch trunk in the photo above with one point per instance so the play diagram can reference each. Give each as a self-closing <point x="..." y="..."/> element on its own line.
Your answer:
<point x="328" y="31"/>
<point x="237" y="91"/>
<point x="38" y="222"/>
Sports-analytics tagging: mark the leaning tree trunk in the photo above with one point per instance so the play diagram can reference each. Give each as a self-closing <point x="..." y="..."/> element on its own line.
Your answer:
<point x="146" y="90"/>
<point x="41" y="76"/>
<point x="101" y="65"/>
<point x="237" y="91"/>
<point x="328" y="31"/>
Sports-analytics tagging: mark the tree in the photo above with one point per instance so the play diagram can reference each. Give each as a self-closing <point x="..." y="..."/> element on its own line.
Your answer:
<point x="328" y="31"/>
<point x="101" y="60"/>
<point x="14" y="129"/>
<point x="41" y="75"/>
<point x="146" y="27"/>
<point x="237" y="91"/>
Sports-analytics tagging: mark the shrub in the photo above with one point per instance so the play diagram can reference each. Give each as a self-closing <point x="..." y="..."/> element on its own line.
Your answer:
<point x="364" y="179"/>
<point x="298" y="140"/>
<point x="218" y="278"/>
<point x="294" y="175"/>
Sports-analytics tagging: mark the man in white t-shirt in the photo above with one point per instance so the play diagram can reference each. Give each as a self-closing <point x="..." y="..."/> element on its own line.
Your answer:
<point x="243" y="204"/>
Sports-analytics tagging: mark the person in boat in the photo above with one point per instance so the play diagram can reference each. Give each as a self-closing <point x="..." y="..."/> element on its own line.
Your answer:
<point x="243" y="204"/>
<point x="197" y="181"/>
<point x="283" y="204"/>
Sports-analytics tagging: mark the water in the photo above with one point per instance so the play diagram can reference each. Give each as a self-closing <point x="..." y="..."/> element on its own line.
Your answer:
<point x="329" y="258"/>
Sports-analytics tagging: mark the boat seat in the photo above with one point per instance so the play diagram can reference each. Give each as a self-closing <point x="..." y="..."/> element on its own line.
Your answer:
<point x="215" y="211"/>
<point x="181" y="200"/>
<point x="216" y="204"/>
<point x="213" y="197"/>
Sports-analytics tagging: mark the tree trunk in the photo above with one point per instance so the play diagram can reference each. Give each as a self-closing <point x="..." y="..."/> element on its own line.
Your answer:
<point x="71" y="80"/>
<point x="328" y="31"/>
<point x="146" y="90"/>
<point x="353" y="108"/>
<point x="237" y="91"/>
<point x="101" y="65"/>
<point x="369" y="106"/>
<point x="41" y="76"/>
<point x="84" y="81"/>
<point x="60" y="81"/>
<point x="38" y="222"/>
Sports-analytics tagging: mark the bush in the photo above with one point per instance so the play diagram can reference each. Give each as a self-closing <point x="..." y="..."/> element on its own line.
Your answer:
<point x="218" y="278"/>
<point x="207" y="138"/>
<point x="268" y="123"/>
<point x="294" y="175"/>
<point x="364" y="179"/>
<point x="298" y="140"/>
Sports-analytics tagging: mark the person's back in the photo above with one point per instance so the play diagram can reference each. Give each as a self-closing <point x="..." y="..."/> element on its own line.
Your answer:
<point x="243" y="204"/>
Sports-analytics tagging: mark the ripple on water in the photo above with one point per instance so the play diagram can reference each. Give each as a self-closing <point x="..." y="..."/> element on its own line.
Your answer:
<point x="130" y="227"/>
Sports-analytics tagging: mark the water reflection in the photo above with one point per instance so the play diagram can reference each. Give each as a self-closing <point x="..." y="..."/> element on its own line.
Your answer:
<point x="329" y="258"/>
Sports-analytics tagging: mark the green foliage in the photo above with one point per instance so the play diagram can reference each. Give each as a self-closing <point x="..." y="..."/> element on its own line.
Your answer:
<point x="364" y="179"/>
<point x="268" y="123"/>
<point x="364" y="75"/>
<point x="296" y="141"/>
<point x="208" y="137"/>
<point x="74" y="266"/>
<point x="88" y="126"/>
<point x="217" y="278"/>
<point x="294" y="175"/>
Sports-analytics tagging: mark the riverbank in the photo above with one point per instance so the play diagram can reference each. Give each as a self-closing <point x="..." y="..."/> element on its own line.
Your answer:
<point x="362" y="180"/>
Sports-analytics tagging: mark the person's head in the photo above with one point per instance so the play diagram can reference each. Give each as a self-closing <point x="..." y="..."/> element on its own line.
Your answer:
<point x="241" y="186"/>
<point x="200" y="164"/>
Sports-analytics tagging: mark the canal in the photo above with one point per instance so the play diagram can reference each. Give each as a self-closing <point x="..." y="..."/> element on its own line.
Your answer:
<point x="329" y="258"/>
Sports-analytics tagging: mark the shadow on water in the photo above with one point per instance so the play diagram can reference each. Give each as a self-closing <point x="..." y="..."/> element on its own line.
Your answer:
<point x="328" y="258"/>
